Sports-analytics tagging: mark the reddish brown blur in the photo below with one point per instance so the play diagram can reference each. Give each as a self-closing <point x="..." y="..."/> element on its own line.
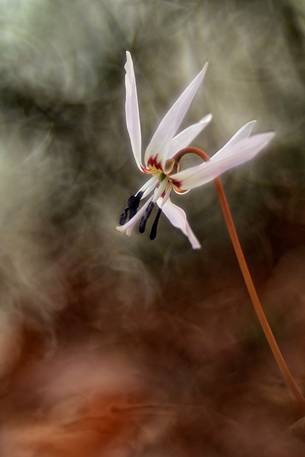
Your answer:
<point x="182" y="378"/>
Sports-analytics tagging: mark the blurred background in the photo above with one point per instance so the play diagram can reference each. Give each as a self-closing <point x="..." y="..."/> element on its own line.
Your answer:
<point x="116" y="346"/>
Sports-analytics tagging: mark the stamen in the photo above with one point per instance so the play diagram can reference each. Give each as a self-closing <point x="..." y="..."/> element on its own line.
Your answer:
<point x="145" y="217"/>
<point x="132" y="208"/>
<point x="139" y="195"/>
<point x="123" y="216"/>
<point x="133" y="204"/>
<point x="153" y="232"/>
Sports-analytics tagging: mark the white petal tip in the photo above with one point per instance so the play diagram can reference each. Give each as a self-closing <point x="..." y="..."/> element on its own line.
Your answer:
<point x="122" y="229"/>
<point x="271" y="134"/>
<point x="204" y="69"/>
<point x="128" y="63"/>
<point x="201" y="75"/>
<point x="197" y="247"/>
<point x="207" y="118"/>
<point x="268" y="136"/>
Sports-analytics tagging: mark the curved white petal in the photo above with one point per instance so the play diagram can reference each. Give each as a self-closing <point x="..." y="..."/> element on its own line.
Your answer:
<point x="132" y="110"/>
<point x="128" y="227"/>
<point x="244" y="132"/>
<point x="237" y="154"/>
<point x="187" y="135"/>
<point x="172" y="120"/>
<point x="177" y="218"/>
<point x="148" y="186"/>
<point x="152" y="185"/>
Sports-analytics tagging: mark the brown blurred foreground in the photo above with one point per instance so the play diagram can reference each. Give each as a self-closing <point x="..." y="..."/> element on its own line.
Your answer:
<point x="181" y="379"/>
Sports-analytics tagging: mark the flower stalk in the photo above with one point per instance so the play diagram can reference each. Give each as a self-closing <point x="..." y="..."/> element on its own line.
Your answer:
<point x="257" y="305"/>
<point x="161" y="162"/>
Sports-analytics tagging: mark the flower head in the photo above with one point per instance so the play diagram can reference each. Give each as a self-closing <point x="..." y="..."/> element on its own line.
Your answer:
<point x="161" y="163"/>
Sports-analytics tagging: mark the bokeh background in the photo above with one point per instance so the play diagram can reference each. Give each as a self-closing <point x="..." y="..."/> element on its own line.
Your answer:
<point x="116" y="346"/>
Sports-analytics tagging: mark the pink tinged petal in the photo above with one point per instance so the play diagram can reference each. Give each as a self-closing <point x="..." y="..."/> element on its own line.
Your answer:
<point x="237" y="154"/>
<point x="128" y="227"/>
<point x="185" y="137"/>
<point x="132" y="111"/>
<point x="178" y="219"/>
<point x="172" y="120"/>
<point x="244" y="132"/>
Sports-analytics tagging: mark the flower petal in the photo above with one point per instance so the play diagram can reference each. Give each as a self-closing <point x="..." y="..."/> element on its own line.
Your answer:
<point x="132" y="110"/>
<point x="172" y="120"/>
<point x="244" y="132"/>
<point x="177" y="218"/>
<point x="148" y="186"/>
<point x="236" y="154"/>
<point x="128" y="227"/>
<point x="187" y="135"/>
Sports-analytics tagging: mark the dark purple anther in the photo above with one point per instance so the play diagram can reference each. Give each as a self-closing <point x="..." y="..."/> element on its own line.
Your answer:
<point x="153" y="232"/>
<point x="132" y="208"/>
<point x="123" y="216"/>
<point x="133" y="204"/>
<point x="145" y="217"/>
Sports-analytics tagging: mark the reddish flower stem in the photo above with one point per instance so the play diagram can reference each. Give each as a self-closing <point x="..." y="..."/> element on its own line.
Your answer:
<point x="257" y="305"/>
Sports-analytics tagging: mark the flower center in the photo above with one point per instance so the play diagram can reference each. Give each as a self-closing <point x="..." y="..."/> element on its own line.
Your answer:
<point x="155" y="168"/>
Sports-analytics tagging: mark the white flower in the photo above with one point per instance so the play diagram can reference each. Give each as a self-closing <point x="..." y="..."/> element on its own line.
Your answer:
<point x="159" y="159"/>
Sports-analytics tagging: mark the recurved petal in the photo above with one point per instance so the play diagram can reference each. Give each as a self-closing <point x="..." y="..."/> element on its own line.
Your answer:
<point x="187" y="135"/>
<point x="132" y="110"/>
<point x="244" y="132"/>
<point x="237" y="154"/>
<point x="178" y="219"/>
<point x="172" y="120"/>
